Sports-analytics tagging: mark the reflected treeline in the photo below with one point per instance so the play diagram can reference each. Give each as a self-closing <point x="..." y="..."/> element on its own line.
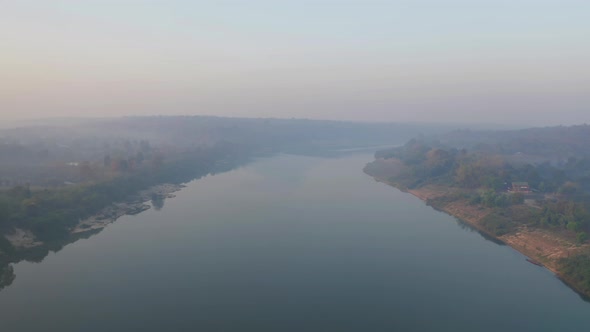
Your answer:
<point x="463" y="225"/>
<point x="468" y="227"/>
<point x="37" y="254"/>
<point x="34" y="255"/>
<point x="7" y="275"/>
<point x="158" y="201"/>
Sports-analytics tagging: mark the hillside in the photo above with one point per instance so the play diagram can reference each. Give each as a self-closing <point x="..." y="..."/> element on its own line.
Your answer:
<point x="528" y="188"/>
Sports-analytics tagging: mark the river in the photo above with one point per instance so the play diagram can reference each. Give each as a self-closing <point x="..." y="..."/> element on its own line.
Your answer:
<point x="289" y="243"/>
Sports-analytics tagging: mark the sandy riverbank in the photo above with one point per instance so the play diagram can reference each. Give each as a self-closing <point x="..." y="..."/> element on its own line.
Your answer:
<point x="538" y="244"/>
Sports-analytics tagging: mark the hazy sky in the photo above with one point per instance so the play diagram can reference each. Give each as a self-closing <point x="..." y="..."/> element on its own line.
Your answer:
<point x="518" y="61"/>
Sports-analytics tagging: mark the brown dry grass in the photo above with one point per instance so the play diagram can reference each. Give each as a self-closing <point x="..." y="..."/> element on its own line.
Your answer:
<point x="543" y="245"/>
<point x="539" y="244"/>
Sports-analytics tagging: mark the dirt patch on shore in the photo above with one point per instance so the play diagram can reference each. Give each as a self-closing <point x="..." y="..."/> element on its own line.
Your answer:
<point x="469" y="213"/>
<point x="539" y="244"/>
<point x="21" y="238"/>
<point x="429" y="192"/>
<point x="543" y="245"/>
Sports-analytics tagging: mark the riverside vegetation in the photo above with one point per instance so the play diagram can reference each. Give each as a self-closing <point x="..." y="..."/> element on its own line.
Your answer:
<point x="36" y="221"/>
<point x="65" y="180"/>
<point x="470" y="175"/>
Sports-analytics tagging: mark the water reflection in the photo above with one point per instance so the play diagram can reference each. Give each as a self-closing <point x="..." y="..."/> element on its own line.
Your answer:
<point x="37" y="254"/>
<point x="158" y="201"/>
<point x="256" y="251"/>
<point x="468" y="227"/>
<point x="7" y="275"/>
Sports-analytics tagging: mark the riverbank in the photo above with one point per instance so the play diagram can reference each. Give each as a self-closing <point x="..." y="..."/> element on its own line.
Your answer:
<point x="134" y="205"/>
<point x="539" y="245"/>
<point x="25" y="239"/>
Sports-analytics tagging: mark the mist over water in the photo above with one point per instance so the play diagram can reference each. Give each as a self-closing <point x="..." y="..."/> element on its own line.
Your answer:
<point x="271" y="110"/>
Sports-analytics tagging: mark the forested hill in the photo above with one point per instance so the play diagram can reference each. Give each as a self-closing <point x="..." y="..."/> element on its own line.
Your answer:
<point x="51" y="154"/>
<point x="202" y="130"/>
<point x="550" y="142"/>
<point x="530" y="188"/>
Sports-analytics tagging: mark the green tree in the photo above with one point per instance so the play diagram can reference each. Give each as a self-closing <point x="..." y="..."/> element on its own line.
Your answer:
<point x="581" y="237"/>
<point x="517" y="198"/>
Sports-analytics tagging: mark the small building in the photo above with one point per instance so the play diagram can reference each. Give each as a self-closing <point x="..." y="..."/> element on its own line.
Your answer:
<point x="521" y="187"/>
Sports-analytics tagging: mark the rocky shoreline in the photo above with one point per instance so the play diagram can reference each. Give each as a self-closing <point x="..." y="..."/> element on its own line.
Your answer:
<point x="25" y="239"/>
<point x="135" y="205"/>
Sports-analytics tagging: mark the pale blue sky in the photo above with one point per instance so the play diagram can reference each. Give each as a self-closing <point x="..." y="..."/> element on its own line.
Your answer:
<point x="469" y="61"/>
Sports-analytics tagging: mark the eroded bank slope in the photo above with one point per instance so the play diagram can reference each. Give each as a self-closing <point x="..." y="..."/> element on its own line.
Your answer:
<point x="547" y="247"/>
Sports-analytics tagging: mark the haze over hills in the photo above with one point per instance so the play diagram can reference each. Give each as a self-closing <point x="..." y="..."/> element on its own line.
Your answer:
<point x="57" y="177"/>
<point x="62" y="155"/>
<point x="210" y="156"/>
<point x="553" y="143"/>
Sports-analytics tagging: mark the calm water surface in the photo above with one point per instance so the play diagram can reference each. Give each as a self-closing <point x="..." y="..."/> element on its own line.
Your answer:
<point x="289" y="243"/>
